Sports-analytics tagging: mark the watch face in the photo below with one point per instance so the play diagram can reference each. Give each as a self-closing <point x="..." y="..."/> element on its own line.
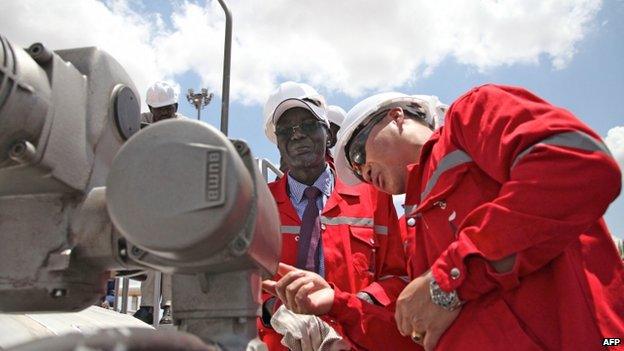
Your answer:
<point x="441" y="298"/>
<point x="448" y="299"/>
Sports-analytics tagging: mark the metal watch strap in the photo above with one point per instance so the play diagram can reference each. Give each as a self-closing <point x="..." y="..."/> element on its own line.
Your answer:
<point x="448" y="301"/>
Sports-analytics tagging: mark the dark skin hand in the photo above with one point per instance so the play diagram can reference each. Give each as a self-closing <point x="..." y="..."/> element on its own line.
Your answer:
<point x="301" y="291"/>
<point x="304" y="153"/>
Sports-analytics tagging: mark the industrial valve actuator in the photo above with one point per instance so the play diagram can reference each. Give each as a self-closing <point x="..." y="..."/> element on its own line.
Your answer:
<point x="85" y="191"/>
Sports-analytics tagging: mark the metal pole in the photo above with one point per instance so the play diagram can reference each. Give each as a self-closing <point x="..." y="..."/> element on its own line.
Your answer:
<point x="263" y="170"/>
<point x="227" y="58"/>
<point x="265" y="166"/>
<point x="116" y="302"/>
<point x="124" y="295"/>
<point x="157" y="285"/>
<point x="198" y="118"/>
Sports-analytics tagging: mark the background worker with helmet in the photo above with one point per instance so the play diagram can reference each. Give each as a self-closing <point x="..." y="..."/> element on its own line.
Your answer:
<point x="335" y="235"/>
<point x="507" y="252"/>
<point x="162" y="100"/>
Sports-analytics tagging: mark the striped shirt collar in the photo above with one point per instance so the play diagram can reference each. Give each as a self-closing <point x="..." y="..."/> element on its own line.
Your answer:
<point x="325" y="183"/>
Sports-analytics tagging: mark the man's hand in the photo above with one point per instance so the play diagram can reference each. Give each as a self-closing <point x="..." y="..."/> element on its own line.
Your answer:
<point x="417" y="314"/>
<point x="301" y="291"/>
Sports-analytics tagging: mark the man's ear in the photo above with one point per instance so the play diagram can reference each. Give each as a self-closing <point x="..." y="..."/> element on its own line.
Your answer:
<point x="397" y="115"/>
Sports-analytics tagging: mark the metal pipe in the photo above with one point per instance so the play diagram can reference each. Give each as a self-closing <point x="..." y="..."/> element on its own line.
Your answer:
<point x="116" y="302"/>
<point x="40" y="53"/>
<point x="156" y="303"/>
<point x="124" y="295"/>
<point x="265" y="165"/>
<point x="227" y="58"/>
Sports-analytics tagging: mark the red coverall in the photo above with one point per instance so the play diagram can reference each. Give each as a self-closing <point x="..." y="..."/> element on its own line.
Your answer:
<point x="511" y="174"/>
<point x="362" y="250"/>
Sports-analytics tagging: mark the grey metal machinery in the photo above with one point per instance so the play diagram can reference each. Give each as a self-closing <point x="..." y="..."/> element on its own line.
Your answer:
<point x="84" y="192"/>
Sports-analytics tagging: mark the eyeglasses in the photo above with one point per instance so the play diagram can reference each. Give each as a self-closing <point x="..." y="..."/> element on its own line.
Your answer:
<point x="355" y="149"/>
<point x="307" y="128"/>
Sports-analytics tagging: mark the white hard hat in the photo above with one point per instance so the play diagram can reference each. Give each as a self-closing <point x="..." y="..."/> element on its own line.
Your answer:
<point x="434" y="111"/>
<point x="161" y="94"/>
<point x="289" y="95"/>
<point x="336" y="114"/>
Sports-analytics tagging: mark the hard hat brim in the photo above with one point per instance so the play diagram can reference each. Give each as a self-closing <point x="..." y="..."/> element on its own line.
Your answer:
<point x="319" y="112"/>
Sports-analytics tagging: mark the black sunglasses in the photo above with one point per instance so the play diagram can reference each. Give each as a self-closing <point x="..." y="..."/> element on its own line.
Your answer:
<point x="307" y="128"/>
<point x="355" y="150"/>
<point x="356" y="147"/>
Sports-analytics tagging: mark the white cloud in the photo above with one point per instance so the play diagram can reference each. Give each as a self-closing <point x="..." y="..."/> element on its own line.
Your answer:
<point x="348" y="46"/>
<point x="615" y="142"/>
<point x="116" y="29"/>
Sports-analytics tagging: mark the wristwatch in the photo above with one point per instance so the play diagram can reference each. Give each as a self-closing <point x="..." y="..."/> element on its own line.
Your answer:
<point x="448" y="301"/>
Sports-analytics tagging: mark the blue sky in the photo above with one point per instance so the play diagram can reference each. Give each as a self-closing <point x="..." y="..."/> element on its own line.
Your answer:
<point x="351" y="49"/>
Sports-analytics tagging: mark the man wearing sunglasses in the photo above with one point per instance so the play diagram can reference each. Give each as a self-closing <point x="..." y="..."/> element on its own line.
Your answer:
<point x="342" y="241"/>
<point x="504" y="206"/>
<point x="335" y="116"/>
<point x="162" y="100"/>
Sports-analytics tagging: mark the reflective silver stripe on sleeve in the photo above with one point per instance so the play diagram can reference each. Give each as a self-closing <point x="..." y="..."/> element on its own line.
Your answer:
<point x="575" y="139"/>
<point x="357" y="221"/>
<point x="381" y="229"/>
<point x="449" y="161"/>
<point x="402" y="277"/>
<point x="290" y="229"/>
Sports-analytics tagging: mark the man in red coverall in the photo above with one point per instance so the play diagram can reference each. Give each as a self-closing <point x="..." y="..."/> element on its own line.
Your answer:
<point x="504" y="204"/>
<point x="342" y="237"/>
